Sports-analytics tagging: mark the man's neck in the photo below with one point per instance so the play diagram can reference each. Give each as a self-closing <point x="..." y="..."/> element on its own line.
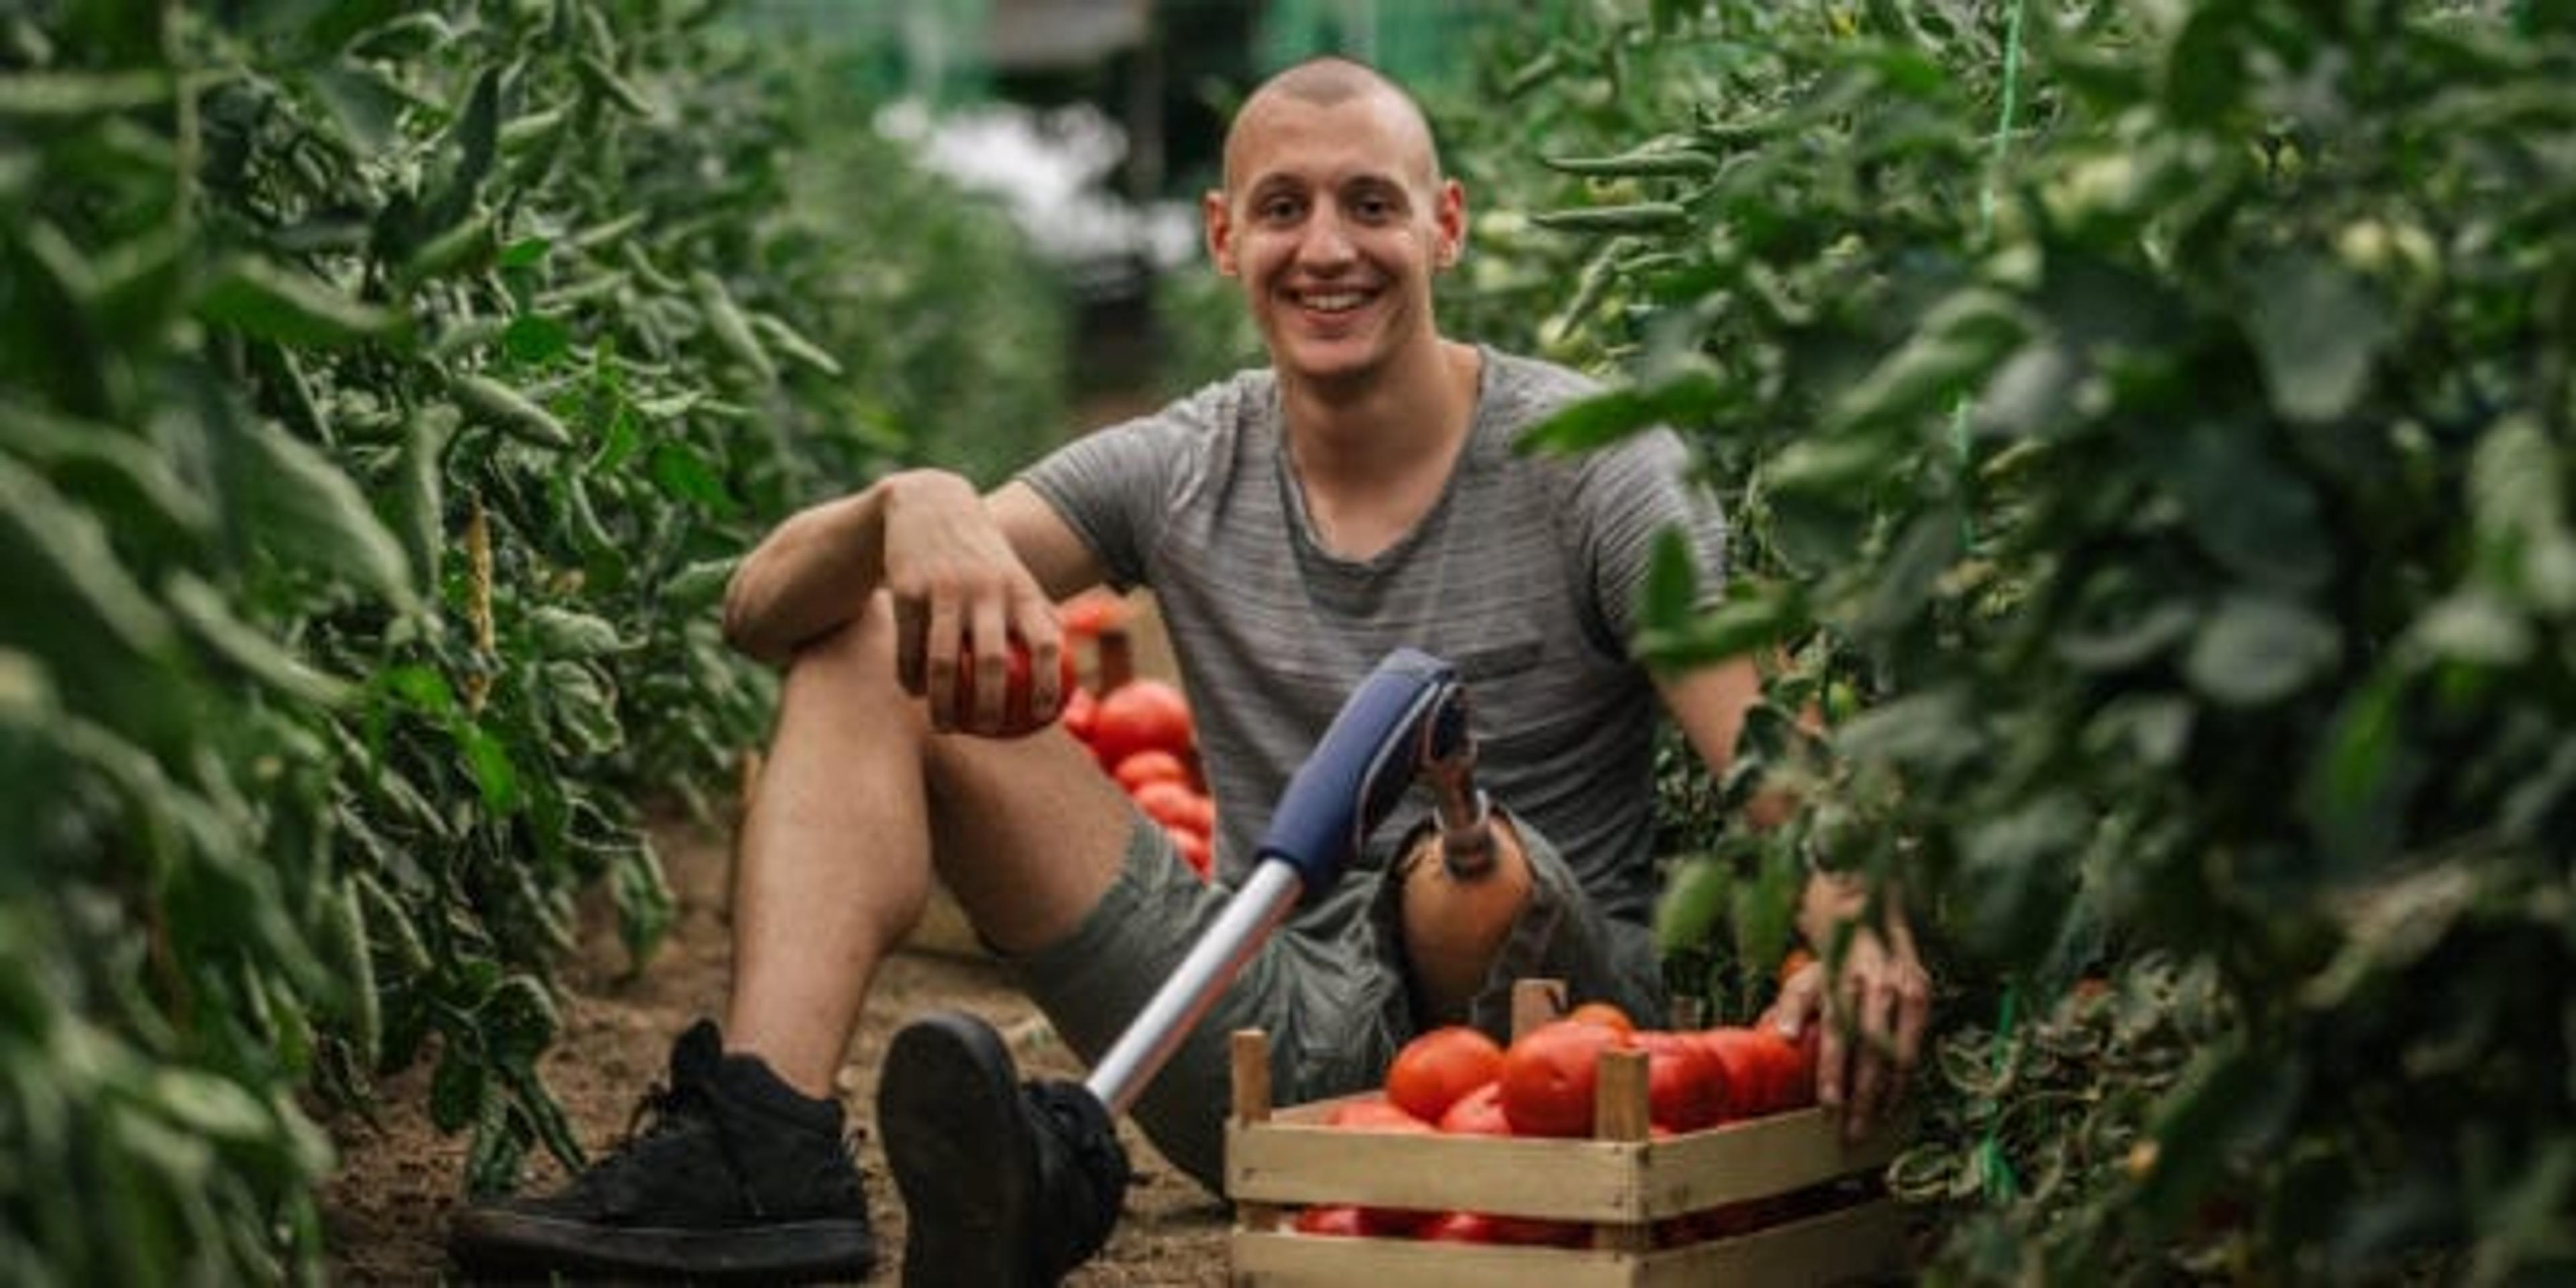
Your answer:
<point x="1372" y="459"/>
<point x="1413" y="414"/>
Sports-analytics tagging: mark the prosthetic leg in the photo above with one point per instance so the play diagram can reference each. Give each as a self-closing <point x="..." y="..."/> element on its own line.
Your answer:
<point x="1011" y="1184"/>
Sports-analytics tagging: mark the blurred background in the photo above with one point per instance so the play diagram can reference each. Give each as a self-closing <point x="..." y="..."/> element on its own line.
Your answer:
<point x="1096" y="124"/>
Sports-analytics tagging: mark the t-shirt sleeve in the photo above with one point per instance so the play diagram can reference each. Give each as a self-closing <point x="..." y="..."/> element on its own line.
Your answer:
<point x="1115" y="486"/>
<point x="1630" y="494"/>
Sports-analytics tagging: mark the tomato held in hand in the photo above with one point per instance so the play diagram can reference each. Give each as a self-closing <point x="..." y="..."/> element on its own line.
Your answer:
<point x="1019" y="720"/>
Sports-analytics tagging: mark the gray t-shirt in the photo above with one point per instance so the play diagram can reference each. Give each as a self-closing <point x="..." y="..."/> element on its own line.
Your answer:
<point x="1525" y="575"/>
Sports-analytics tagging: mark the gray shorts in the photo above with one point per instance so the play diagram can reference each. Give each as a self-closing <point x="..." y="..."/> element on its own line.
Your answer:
<point x="1328" y="987"/>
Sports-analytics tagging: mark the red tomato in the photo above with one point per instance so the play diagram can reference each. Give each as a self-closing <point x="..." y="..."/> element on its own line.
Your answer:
<point x="1764" y="1071"/>
<point x="1018" y="721"/>
<point x="1142" y="715"/>
<point x="1478" y="1113"/>
<point x="1486" y="1227"/>
<point x="1685" y="1083"/>
<point x="1434" y="1069"/>
<point x="1339" y="1220"/>
<point x="1080" y="709"/>
<point x="1551" y="1074"/>
<point x="1373" y="1113"/>
<point x="1170" y="804"/>
<point x="1195" y="849"/>
<point x="1155" y="766"/>
<point x="1606" y="1014"/>
<point x="1091" y="612"/>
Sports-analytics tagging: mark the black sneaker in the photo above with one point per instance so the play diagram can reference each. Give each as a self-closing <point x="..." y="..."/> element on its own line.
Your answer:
<point x="734" y="1177"/>
<point x="1005" y="1185"/>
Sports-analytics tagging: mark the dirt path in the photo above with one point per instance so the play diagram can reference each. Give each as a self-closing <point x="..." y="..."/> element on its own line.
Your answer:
<point x="386" y="1211"/>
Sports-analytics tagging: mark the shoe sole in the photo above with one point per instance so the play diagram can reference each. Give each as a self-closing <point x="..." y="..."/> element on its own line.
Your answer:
<point x="517" y="1246"/>
<point x="948" y="1110"/>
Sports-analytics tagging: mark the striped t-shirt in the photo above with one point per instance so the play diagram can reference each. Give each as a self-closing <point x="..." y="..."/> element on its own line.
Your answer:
<point x="1525" y="574"/>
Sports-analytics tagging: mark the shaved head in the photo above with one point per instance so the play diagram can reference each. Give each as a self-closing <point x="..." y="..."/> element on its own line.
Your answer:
<point x="1330" y="81"/>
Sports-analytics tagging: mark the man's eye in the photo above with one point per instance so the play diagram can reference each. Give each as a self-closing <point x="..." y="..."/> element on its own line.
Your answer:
<point x="1278" y="209"/>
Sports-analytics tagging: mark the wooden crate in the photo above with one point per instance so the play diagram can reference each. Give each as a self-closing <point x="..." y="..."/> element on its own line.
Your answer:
<point x="1620" y="1183"/>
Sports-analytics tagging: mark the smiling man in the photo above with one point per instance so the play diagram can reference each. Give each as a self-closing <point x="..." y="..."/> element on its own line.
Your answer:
<point x="1296" y="524"/>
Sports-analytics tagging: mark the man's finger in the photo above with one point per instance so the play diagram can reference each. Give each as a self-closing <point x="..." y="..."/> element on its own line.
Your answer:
<point x="910" y="621"/>
<point x="1869" y="1063"/>
<point x="939" y="665"/>
<point x="991" y="651"/>
<point x="1034" y="620"/>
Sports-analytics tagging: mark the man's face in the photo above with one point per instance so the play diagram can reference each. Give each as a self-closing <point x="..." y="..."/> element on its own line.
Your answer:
<point x="1334" y="223"/>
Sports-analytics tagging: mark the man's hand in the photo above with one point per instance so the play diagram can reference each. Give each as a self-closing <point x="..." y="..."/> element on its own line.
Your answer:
<point x="1873" y="1010"/>
<point x="961" y="595"/>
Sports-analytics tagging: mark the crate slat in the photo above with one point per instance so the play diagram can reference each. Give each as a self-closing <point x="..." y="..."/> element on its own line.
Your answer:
<point x="1850" y="1246"/>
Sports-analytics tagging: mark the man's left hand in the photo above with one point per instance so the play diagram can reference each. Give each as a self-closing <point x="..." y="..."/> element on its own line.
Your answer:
<point x="1874" y="1012"/>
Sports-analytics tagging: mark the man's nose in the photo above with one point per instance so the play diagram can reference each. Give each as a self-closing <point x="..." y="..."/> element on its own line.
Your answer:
<point x="1327" y="240"/>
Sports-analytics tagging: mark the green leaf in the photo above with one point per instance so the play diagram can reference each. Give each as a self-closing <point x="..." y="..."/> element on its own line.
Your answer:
<point x="1959" y="342"/>
<point x="699" y="585"/>
<point x="489" y="402"/>
<point x="489" y="763"/>
<point x="683" y="474"/>
<point x="518" y="1022"/>
<point x="533" y="339"/>
<point x="2475" y="626"/>
<point x="210" y="1106"/>
<point x="566" y="632"/>
<point x="2254" y="650"/>
<point x="261" y="299"/>
<point x="120" y="472"/>
<point x="1933" y="729"/>
<point x="2317" y="329"/>
<point x="584" y="707"/>
<point x="1687" y="397"/>
<point x="1671" y="592"/>
<point x="305" y="512"/>
<point x="1695" y="898"/>
<point x="2231" y="1104"/>
<point x="1736" y="628"/>
<point x="367" y="106"/>
<point x="2517" y="503"/>
<point x="34" y="96"/>
<point x="203" y="609"/>
<point x="2137" y="636"/>
<point x="2261" y="520"/>
<point x="456" y="1089"/>
<point x="63" y="573"/>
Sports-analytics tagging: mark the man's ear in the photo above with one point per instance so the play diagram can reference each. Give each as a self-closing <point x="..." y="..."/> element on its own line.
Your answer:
<point x="1219" y="221"/>
<point x="1449" y="218"/>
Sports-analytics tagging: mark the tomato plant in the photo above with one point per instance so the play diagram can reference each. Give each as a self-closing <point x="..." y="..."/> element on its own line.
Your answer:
<point x="384" y="390"/>
<point x="2146" y="429"/>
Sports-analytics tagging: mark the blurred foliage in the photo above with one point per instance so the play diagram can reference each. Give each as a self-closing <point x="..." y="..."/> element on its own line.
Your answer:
<point x="384" y="394"/>
<point x="2165" y="500"/>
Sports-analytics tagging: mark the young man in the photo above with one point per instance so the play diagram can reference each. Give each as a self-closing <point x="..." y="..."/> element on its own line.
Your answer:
<point x="1296" y="524"/>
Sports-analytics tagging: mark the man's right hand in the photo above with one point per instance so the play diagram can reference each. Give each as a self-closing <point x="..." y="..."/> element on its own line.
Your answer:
<point x="961" y="596"/>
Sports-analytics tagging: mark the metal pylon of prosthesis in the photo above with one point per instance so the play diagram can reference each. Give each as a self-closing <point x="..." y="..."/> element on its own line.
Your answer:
<point x="1407" y="720"/>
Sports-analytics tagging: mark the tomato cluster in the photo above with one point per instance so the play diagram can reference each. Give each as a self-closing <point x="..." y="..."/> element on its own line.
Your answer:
<point x="1141" y="732"/>
<point x="1456" y="1080"/>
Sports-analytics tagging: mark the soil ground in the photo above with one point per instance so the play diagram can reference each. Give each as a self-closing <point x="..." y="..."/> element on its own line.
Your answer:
<point x="386" y="1210"/>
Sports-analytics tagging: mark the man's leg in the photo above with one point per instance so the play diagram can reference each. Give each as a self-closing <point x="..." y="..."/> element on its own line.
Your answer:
<point x="1465" y="938"/>
<point x="1456" y="922"/>
<point x="744" y="1172"/>
<point x="858" y="800"/>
